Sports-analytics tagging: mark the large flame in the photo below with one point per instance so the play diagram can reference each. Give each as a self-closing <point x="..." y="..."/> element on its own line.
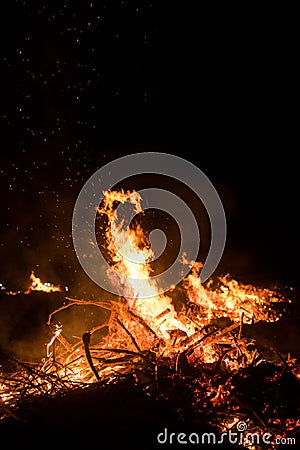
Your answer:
<point x="131" y="254"/>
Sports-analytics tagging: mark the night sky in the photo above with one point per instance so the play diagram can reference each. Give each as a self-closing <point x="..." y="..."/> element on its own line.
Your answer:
<point x="88" y="81"/>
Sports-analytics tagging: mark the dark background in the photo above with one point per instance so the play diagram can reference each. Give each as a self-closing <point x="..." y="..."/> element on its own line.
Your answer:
<point x="86" y="82"/>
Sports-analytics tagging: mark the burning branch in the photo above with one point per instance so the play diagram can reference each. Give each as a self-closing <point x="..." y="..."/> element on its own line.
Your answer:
<point x="86" y="340"/>
<point x="129" y="334"/>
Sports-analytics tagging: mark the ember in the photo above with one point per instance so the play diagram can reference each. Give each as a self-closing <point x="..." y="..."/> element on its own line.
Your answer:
<point x="187" y="356"/>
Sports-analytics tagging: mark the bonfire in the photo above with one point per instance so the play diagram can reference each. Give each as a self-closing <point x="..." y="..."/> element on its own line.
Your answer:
<point x="149" y="342"/>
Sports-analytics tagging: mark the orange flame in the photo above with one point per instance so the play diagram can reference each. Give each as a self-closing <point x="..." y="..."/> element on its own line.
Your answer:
<point x="231" y="299"/>
<point x="38" y="285"/>
<point x="141" y="291"/>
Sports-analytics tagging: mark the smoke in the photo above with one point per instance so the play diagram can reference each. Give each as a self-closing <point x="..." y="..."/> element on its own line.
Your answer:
<point x="24" y="332"/>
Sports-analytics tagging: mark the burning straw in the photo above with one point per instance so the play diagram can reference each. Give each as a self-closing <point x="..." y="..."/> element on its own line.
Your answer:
<point x="213" y="361"/>
<point x="160" y="347"/>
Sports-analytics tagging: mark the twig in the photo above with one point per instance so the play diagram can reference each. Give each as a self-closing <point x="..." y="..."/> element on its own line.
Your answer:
<point x="109" y="361"/>
<point x="129" y="334"/>
<point x="73" y="302"/>
<point x="65" y="343"/>
<point x="6" y="409"/>
<point x="279" y="356"/>
<point x="142" y="322"/>
<point x="99" y="327"/>
<point x="241" y="325"/>
<point x="118" y="350"/>
<point x="86" y="340"/>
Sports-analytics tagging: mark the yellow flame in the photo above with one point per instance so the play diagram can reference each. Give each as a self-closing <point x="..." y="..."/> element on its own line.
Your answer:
<point x="38" y="285"/>
<point x="141" y="291"/>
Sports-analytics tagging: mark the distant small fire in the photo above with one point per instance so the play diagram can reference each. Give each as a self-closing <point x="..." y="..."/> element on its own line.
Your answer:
<point x="38" y="285"/>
